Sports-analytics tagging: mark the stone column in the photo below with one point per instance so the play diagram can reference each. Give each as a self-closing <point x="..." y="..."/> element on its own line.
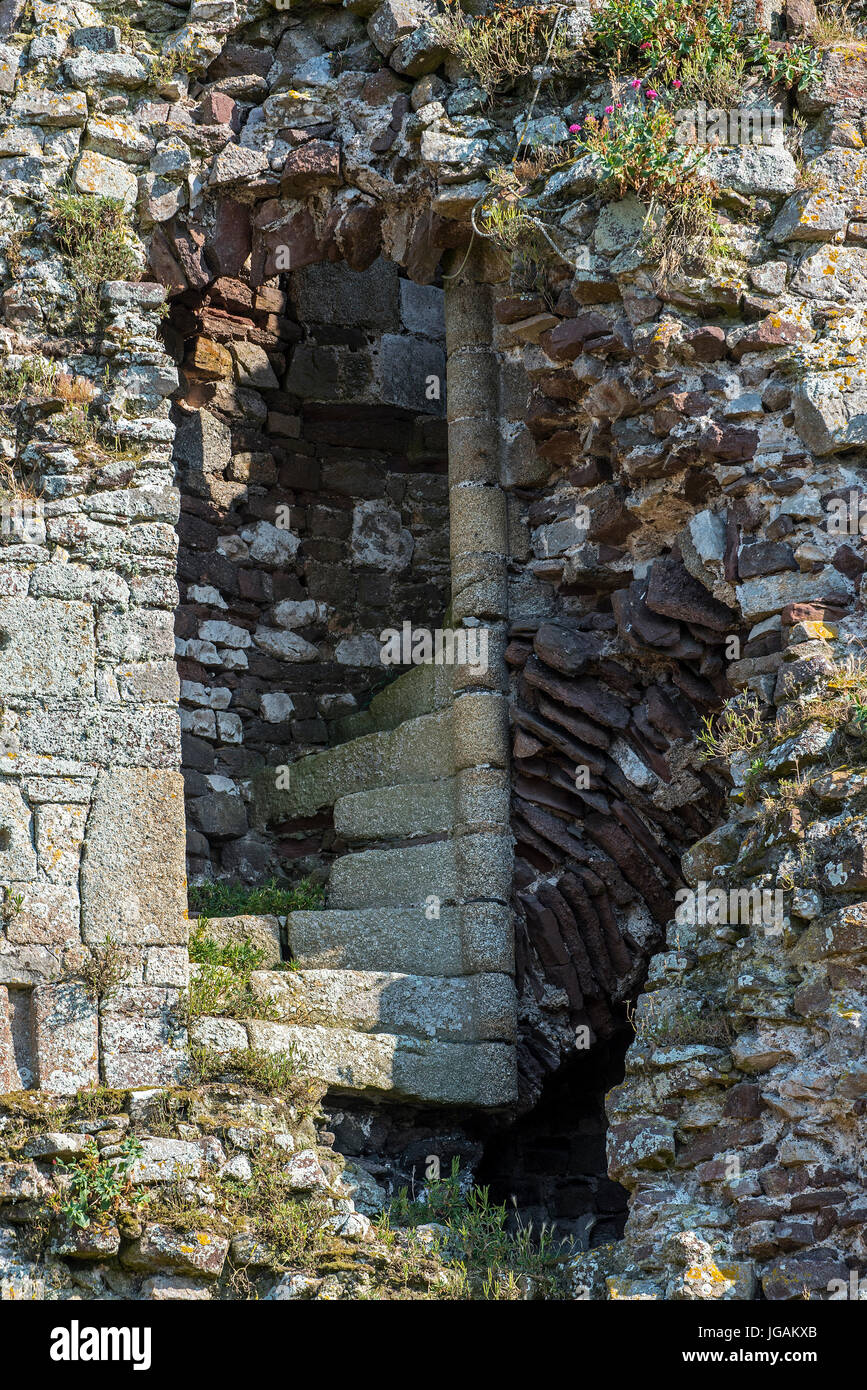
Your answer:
<point x="479" y="548"/>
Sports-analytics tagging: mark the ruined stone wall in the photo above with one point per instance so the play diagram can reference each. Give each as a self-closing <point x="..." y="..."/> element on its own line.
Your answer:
<point x="641" y="470"/>
<point x="92" y="863"/>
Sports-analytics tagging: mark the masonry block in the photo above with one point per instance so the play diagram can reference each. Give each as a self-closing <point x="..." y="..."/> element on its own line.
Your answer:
<point x="133" y="876"/>
<point x="65" y="1036"/>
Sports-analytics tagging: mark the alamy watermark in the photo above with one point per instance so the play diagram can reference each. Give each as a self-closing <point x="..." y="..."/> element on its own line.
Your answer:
<point x="24" y="520"/>
<point x="752" y="125"/>
<point x="709" y="906"/>
<point x="422" y="646"/>
<point x="841" y="1289"/>
<point x="77" y="1343"/>
<point x="847" y="516"/>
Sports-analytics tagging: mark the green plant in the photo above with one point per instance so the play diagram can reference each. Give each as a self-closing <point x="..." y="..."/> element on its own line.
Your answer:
<point x="685" y="1027"/>
<point x="794" y="65"/>
<point x="634" y="152"/>
<point x="271" y="1073"/>
<point x="689" y="237"/>
<point x="838" y="23"/>
<point x="221" y="986"/>
<point x="504" y="216"/>
<point x="736" y="729"/>
<point x="165" y="66"/>
<point x="96" y="1188"/>
<point x="787" y="799"/>
<point x="12" y="902"/>
<point x="95" y="241"/>
<point x="656" y="35"/>
<point x="76" y="425"/>
<point x="488" y="1259"/>
<point x="33" y="377"/>
<point x="239" y="956"/>
<point x="506" y="222"/>
<point x="717" y="81"/>
<point x="104" y="969"/>
<point x="753" y="780"/>
<point x="690" y="41"/>
<point x="94" y="1102"/>
<point x="222" y="899"/>
<point x="12" y="252"/>
<point x="849" y="677"/>
<point x="121" y="20"/>
<point x="508" y="42"/>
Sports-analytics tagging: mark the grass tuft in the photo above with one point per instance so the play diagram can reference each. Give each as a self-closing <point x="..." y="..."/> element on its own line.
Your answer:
<point x="222" y="899"/>
<point x="95" y="240"/>
<point x="736" y="729"/>
<point x="507" y="43"/>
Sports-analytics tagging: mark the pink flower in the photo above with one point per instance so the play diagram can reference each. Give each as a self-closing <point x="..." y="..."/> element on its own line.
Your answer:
<point x="636" y="82"/>
<point x="609" y="110"/>
<point x="646" y="44"/>
<point x="620" y="103"/>
<point x="677" y="84"/>
<point x="651" y="94"/>
<point x="574" y="129"/>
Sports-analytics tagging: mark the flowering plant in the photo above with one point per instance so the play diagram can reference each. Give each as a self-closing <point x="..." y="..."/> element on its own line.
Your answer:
<point x="660" y="36"/>
<point x="635" y="150"/>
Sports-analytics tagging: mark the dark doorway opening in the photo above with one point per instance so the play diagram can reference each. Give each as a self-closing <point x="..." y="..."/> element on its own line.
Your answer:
<point x="549" y="1166"/>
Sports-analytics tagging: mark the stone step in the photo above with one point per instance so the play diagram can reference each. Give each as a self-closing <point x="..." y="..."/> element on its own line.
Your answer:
<point x="396" y="813"/>
<point x="482" y="1074"/>
<point x="423" y="875"/>
<point x="450" y="941"/>
<point x="421" y="690"/>
<point x="469" y="1008"/>
<point x="409" y="753"/>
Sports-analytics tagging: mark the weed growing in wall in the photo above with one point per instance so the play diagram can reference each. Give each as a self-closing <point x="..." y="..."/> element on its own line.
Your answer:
<point x="679" y="51"/>
<point x="839" y="23"/>
<point x="104" y="969"/>
<point x="221" y="987"/>
<point x="634" y="152"/>
<point x="737" y="728"/>
<point x="95" y="240"/>
<point x="508" y="43"/>
<point x="673" y="38"/>
<point x="278" y="1073"/>
<point x="223" y="899"/>
<point x="30" y="377"/>
<point x="94" y="1190"/>
<point x="488" y="1259"/>
<point x="685" y="1027"/>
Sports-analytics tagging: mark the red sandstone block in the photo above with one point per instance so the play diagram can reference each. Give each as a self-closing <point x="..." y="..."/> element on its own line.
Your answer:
<point x="217" y="108"/>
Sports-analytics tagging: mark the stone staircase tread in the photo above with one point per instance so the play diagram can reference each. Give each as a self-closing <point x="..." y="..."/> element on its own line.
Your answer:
<point x="455" y="941"/>
<point x="462" y="1008"/>
<point x="393" y="813"/>
<point x="448" y="1073"/>
<point x="382" y="759"/>
<point x="424" y="875"/>
<point x="421" y="690"/>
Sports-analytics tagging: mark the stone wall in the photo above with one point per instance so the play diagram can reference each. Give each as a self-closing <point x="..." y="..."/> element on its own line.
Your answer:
<point x="641" y="471"/>
<point x="92" y="861"/>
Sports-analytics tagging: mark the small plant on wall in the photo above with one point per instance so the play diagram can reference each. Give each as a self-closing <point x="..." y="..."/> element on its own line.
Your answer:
<point x="96" y="243"/>
<point x="94" y="1190"/>
<point x="672" y="38"/>
<point x="507" y="43"/>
